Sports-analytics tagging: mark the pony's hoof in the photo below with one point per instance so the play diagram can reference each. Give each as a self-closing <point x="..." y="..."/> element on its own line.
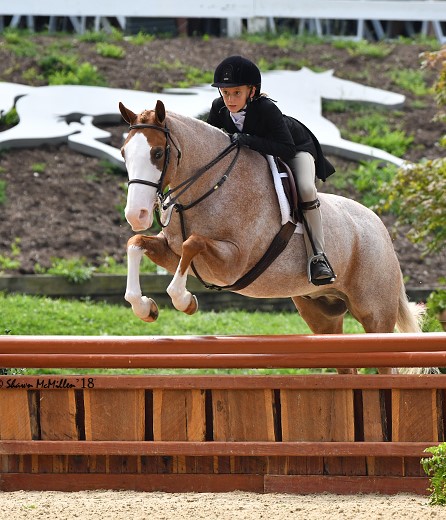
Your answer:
<point x="192" y="308"/>
<point x="153" y="312"/>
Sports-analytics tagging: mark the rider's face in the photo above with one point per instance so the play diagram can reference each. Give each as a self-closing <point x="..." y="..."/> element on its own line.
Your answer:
<point x="235" y="98"/>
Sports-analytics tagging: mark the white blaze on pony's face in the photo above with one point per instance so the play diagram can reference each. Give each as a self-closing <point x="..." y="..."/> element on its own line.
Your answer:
<point x="141" y="199"/>
<point x="144" y="161"/>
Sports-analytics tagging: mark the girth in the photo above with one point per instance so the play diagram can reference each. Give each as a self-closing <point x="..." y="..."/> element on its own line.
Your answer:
<point x="276" y="247"/>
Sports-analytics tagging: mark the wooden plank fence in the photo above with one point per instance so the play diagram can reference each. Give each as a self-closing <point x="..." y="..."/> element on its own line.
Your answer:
<point x="186" y="432"/>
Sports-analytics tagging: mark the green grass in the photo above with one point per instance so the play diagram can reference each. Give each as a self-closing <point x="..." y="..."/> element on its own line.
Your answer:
<point x="141" y="38"/>
<point x="2" y="192"/>
<point x="373" y="129"/>
<point x="411" y="80"/>
<point x="37" y="316"/>
<point x="364" y="48"/>
<point x="10" y="261"/>
<point x="109" y="50"/>
<point x="31" y="315"/>
<point x="367" y="178"/>
<point x="9" y="118"/>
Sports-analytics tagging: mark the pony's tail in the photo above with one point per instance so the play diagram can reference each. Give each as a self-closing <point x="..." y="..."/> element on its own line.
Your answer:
<point x="409" y="319"/>
<point x="410" y="315"/>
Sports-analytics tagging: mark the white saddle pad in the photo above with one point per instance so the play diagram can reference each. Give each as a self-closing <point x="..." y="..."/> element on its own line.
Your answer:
<point x="281" y="197"/>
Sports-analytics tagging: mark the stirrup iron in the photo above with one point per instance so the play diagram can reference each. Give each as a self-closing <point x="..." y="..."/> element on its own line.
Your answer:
<point x="323" y="281"/>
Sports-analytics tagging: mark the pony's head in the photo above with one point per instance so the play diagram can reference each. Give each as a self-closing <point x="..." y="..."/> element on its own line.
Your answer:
<point x="144" y="152"/>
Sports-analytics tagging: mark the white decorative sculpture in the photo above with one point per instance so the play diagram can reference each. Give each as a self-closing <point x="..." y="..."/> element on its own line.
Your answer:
<point x="68" y="113"/>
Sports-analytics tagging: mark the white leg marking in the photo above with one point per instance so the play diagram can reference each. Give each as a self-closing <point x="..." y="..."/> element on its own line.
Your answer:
<point x="181" y="297"/>
<point x="140" y="304"/>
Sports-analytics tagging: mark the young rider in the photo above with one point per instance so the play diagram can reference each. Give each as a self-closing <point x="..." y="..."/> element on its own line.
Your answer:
<point x="255" y="121"/>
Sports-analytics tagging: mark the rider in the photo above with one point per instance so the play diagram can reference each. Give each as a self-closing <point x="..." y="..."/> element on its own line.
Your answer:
<point x="255" y="121"/>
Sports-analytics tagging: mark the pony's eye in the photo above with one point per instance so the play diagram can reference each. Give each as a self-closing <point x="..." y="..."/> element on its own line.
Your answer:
<point x="158" y="153"/>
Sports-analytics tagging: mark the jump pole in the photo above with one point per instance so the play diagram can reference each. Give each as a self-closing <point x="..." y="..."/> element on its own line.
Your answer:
<point x="220" y="432"/>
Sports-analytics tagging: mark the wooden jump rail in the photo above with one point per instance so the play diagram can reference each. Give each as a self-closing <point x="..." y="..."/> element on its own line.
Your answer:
<point x="183" y="432"/>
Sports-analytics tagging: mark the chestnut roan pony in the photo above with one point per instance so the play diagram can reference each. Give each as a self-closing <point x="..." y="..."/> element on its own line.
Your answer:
<point x="221" y="214"/>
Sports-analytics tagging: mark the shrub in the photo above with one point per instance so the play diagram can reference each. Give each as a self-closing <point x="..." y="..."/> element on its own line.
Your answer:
<point x="410" y="80"/>
<point x="417" y="192"/>
<point x="85" y="74"/>
<point x="369" y="177"/>
<point x="75" y="270"/>
<point x="11" y="118"/>
<point x="11" y="261"/>
<point x="19" y="43"/>
<point x="437" y="61"/>
<point x="141" y="38"/>
<point x="2" y="192"/>
<point x="373" y="129"/>
<point x="60" y="69"/>
<point x="416" y="195"/>
<point x="364" y="48"/>
<point x="435" y="468"/>
<point x="109" y="50"/>
<point x="436" y="302"/>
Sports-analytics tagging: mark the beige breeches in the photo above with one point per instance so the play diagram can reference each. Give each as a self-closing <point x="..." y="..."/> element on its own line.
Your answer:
<point x="305" y="173"/>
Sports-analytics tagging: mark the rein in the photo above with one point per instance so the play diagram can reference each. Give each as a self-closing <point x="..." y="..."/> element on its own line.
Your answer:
<point x="187" y="183"/>
<point x="279" y="242"/>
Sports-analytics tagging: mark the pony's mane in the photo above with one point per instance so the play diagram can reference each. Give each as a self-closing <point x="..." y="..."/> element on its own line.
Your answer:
<point x="194" y="123"/>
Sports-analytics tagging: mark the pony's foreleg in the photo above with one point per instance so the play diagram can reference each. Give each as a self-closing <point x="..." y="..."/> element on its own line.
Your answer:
<point x="143" y="307"/>
<point x="217" y="255"/>
<point x="182" y="299"/>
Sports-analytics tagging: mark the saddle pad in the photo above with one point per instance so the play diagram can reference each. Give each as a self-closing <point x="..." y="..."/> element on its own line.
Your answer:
<point x="281" y="197"/>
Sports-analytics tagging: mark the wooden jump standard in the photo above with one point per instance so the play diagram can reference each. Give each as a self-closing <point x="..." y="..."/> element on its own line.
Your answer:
<point x="262" y="433"/>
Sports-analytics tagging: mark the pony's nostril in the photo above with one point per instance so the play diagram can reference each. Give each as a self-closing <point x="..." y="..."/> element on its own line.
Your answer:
<point x="143" y="214"/>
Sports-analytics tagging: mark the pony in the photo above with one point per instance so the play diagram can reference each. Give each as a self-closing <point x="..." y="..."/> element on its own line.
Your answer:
<point x="220" y="214"/>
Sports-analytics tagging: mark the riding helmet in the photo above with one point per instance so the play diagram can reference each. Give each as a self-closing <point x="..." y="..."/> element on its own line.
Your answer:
<point x="236" y="71"/>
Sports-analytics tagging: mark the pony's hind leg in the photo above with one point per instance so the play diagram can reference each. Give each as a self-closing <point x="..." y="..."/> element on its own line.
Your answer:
<point x="323" y="315"/>
<point x="376" y="315"/>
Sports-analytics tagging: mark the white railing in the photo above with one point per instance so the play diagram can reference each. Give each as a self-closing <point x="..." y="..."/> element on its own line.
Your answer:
<point x="257" y="12"/>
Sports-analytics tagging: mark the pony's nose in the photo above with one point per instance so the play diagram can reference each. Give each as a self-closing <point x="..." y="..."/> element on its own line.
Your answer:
<point x="138" y="219"/>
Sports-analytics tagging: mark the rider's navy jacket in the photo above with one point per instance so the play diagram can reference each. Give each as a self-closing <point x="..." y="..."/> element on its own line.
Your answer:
<point x="270" y="132"/>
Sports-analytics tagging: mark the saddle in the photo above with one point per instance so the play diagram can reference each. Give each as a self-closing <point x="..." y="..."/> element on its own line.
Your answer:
<point x="289" y="187"/>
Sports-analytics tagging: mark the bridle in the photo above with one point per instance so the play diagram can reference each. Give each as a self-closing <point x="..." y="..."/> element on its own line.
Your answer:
<point x="157" y="185"/>
<point x="170" y="197"/>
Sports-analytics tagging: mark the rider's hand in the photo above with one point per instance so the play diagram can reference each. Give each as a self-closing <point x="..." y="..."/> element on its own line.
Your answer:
<point x="239" y="139"/>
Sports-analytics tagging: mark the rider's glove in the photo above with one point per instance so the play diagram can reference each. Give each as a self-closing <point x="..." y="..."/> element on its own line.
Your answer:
<point x="239" y="139"/>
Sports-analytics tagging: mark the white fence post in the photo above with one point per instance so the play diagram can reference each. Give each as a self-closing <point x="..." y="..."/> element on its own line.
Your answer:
<point x="317" y="14"/>
<point x="234" y="27"/>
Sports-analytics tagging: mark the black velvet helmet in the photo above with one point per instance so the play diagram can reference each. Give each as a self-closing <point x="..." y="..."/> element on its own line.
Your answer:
<point x="236" y="71"/>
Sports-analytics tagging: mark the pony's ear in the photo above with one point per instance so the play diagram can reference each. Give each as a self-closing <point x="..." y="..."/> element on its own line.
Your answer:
<point x="128" y="116"/>
<point x="160" y="112"/>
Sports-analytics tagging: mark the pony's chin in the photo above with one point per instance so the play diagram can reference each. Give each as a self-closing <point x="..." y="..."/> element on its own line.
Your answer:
<point x="139" y="225"/>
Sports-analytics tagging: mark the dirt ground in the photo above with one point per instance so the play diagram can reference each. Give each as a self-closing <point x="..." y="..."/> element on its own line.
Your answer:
<point x="129" y="505"/>
<point x="74" y="207"/>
